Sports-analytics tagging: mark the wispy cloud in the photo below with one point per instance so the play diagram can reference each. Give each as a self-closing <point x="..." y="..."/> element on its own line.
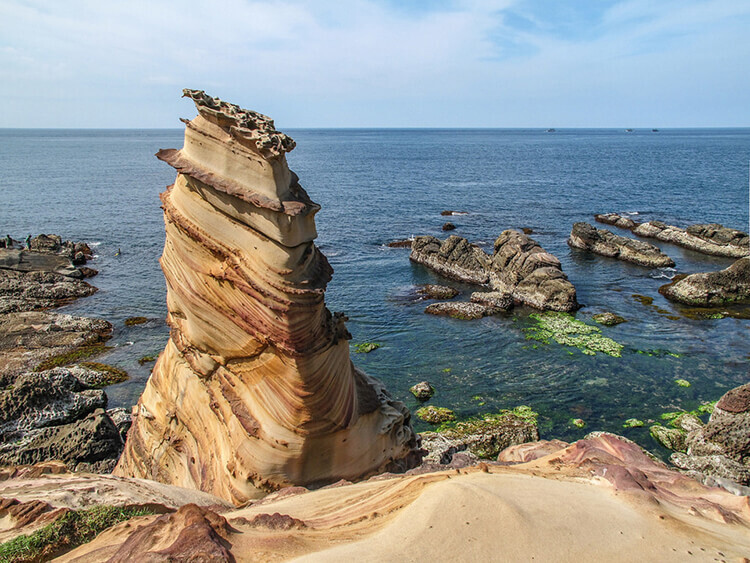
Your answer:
<point x="379" y="63"/>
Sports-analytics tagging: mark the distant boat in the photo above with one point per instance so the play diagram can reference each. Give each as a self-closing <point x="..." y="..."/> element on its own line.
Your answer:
<point x="628" y="130"/>
<point x="654" y="130"/>
<point x="550" y="130"/>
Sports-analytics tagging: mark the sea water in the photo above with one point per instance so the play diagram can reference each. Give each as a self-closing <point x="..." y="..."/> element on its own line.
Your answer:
<point x="375" y="186"/>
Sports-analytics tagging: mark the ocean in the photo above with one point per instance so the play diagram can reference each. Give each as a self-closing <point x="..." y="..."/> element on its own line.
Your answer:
<point x="374" y="186"/>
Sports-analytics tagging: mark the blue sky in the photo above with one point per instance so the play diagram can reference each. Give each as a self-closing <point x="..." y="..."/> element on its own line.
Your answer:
<point x="387" y="63"/>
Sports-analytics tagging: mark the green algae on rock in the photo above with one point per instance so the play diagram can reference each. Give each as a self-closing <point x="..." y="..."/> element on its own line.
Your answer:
<point x="146" y="359"/>
<point x="565" y="329"/>
<point x="633" y="423"/>
<point x="366" y="347"/>
<point x="435" y="415"/>
<point x="132" y="321"/>
<point x="682" y="382"/>
<point x="609" y="319"/>
<point x="671" y="438"/>
<point x="72" y="356"/>
<point x="107" y="374"/>
<point x="578" y="422"/>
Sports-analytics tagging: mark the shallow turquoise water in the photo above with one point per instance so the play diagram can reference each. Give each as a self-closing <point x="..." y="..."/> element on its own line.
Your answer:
<point x="379" y="185"/>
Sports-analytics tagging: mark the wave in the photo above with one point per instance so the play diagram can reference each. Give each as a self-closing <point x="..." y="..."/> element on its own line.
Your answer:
<point x="663" y="273"/>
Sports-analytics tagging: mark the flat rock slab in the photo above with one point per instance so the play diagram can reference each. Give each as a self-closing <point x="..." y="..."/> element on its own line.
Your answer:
<point x="461" y="310"/>
<point x="605" y="243"/>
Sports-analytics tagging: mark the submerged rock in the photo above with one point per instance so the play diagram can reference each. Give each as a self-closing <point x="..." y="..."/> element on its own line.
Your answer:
<point x="518" y="266"/>
<point x="712" y="238"/>
<point x="422" y="391"/>
<point x="730" y="285"/>
<point x="605" y="243"/>
<point x="435" y="415"/>
<point x="449" y="226"/>
<point x="608" y="319"/>
<point x="461" y="310"/>
<point x="434" y="291"/>
<point x="255" y="389"/>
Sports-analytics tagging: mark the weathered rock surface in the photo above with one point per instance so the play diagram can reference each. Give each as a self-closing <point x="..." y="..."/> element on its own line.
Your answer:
<point x="255" y="389"/>
<point x="422" y="390"/>
<point x="484" y="437"/>
<point x="518" y="266"/>
<point x="28" y="338"/>
<point x="434" y="291"/>
<point x="54" y="414"/>
<point x="455" y="258"/>
<point x="605" y="243"/>
<point x="730" y="285"/>
<point x="34" y="291"/>
<point x="712" y="238"/>
<point x="721" y="448"/>
<point x="502" y="301"/>
<point x="608" y="319"/>
<point x="461" y="310"/>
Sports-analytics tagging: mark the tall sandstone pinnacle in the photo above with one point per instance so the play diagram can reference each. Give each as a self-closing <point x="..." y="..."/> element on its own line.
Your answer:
<point x="255" y="389"/>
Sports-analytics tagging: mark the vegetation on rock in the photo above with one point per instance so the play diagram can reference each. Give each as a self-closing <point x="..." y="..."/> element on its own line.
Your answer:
<point x="365" y="347"/>
<point x="564" y="329"/>
<point x="67" y="532"/>
<point x="682" y="382"/>
<point x="71" y="356"/>
<point x="435" y="415"/>
<point x="109" y="374"/>
<point x="132" y="321"/>
<point x="633" y="423"/>
<point x="146" y="359"/>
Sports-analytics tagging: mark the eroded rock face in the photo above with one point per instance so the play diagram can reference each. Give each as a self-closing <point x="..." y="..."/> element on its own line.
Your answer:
<point x="712" y="238"/>
<point x="730" y="285"/>
<point x="605" y="243"/>
<point x="255" y="389"/>
<point x="34" y="291"/>
<point x="519" y="267"/>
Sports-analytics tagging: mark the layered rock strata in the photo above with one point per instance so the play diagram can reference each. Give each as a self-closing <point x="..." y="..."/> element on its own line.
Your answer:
<point x="255" y="389"/>
<point x="711" y="238"/>
<point x="518" y="266"/>
<point x="605" y="243"/>
<point x="706" y="289"/>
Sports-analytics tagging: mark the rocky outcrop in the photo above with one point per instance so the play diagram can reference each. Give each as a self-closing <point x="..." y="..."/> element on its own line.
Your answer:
<point x="518" y="267"/>
<point x="605" y="243"/>
<point x="730" y="285"/>
<point x="713" y="239"/>
<point x="462" y="310"/>
<point x="35" y="291"/>
<point x="721" y="448"/>
<point x="434" y="291"/>
<point x="255" y="389"/>
<point x="55" y="414"/>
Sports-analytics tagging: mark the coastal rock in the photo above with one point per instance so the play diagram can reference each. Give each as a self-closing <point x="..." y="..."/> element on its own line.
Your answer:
<point x="532" y="275"/>
<point x="54" y="415"/>
<point x="608" y="319"/>
<point x="671" y="438"/>
<point x="255" y="389"/>
<point x="35" y="291"/>
<point x="518" y="266"/>
<point x="28" y="338"/>
<point x="712" y="238"/>
<point x="730" y="285"/>
<point x="530" y="451"/>
<point x="449" y="226"/>
<point x="722" y="447"/>
<point x="454" y="258"/>
<point x="405" y="243"/>
<point x="502" y="301"/>
<point x="434" y="291"/>
<point x="435" y="415"/>
<point x="461" y="310"/>
<point x="484" y="437"/>
<point x="605" y="243"/>
<point x="422" y="391"/>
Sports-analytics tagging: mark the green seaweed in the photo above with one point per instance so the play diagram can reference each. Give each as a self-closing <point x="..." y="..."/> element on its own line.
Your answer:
<point x="132" y="321"/>
<point x="147" y="359"/>
<point x="67" y="532"/>
<point x="632" y="423"/>
<point x="483" y="422"/>
<point x="578" y="422"/>
<point x="435" y="415"/>
<point x="566" y="330"/>
<point x="72" y="356"/>
<point x="366" y="347"/>
<point x="110" y="374"/>
<point x="682" y="382"/>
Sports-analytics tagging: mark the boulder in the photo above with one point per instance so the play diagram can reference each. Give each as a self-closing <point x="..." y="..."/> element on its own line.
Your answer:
<point x="730" y="285"/>
<point x="449" y="226"/>
<point x="422" y="391"/>
<point x="608" y="319"/>
<point x="434" y="291"/>
<point x="463" y="310"/>
<point x="605" y="243"/>
<point x="502" y="301"/>
<point x="454" y="258"/>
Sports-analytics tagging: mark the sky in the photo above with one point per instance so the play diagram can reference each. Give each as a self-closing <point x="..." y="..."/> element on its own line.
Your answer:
<point x="378" y="63"/>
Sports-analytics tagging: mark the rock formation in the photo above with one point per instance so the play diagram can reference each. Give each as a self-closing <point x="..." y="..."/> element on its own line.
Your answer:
<point x="718" y="451"/>
<point x="712" y="238"/>
<point x="605" y="243"/>
<point x="518" y="266"/>
<point x="706" y="289"/>
<point x="255" y="389"/>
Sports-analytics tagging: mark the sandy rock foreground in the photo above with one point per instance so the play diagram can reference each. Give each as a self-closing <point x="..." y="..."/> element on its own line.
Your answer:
<point x="599" y="499"/>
